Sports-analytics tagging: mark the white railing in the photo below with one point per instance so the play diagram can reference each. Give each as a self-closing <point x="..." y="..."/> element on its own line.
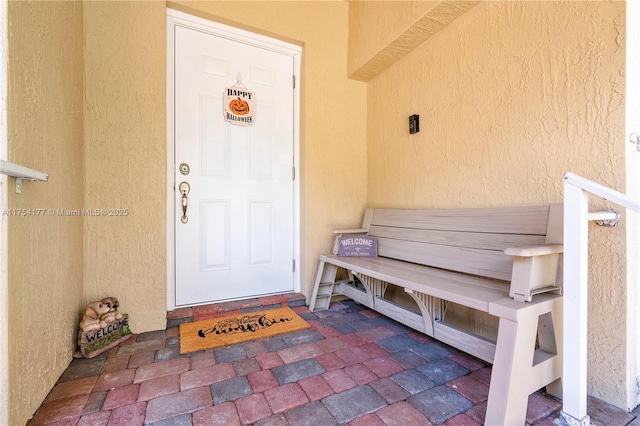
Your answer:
<point x="21" y="172"/>
<point x="576" y="236"/>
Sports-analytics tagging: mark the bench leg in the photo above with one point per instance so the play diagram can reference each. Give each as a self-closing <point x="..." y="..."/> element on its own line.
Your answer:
<point x="508" y="393"/>
<point x="518" y="368"/>
<point x="549" y="335"/>
<point x="323" y="287"/>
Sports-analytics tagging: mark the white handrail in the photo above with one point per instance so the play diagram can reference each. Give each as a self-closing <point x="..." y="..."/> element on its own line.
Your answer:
<point x="21" y="172"/>
<point x="602" y="191"/>
<point x="575" y="290"/>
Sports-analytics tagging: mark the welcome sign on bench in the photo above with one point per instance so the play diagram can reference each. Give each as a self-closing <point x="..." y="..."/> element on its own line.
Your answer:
<point x="358" y="246"/>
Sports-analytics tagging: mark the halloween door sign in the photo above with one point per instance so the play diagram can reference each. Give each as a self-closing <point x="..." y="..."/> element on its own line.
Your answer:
<point x="239" y="104"/>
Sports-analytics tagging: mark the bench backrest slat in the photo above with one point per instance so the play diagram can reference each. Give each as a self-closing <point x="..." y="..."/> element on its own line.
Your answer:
<point x="464" y="240"/>
<point x="457" y="239"/>
<point x="508" y="220"/>
<point x="486" y="263"/>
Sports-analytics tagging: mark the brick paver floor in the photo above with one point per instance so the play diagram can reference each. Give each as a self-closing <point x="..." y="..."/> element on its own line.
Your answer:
<point x="352" y="367"/>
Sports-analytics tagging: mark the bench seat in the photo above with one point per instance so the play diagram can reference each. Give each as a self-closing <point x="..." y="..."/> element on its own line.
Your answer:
<point x="505" y="262"/>
<point x="469" y="290"/>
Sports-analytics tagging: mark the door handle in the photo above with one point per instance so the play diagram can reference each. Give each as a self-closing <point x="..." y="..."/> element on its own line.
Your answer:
<point x="184" y="189"/>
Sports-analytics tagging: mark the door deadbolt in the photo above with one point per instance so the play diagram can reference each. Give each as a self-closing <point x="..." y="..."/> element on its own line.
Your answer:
<point x="184" y="169"/>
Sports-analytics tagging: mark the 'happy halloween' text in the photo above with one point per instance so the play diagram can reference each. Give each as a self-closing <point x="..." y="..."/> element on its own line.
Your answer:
<point x="233" y="117"/>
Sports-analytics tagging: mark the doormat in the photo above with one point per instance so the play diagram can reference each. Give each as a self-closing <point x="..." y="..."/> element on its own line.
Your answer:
<point x="216" y="332"/>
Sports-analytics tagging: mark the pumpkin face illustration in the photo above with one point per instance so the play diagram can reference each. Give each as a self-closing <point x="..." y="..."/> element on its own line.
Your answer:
<point x="239" y="107"/>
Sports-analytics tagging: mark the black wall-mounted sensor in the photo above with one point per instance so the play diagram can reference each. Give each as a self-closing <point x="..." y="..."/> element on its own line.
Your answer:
<point x="414" y="124"/>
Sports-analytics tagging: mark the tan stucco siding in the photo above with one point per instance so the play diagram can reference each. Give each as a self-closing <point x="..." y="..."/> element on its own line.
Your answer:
<point x="45" y="290"/>
<point x="511" y="96"/>
<point x="125" y="157"/>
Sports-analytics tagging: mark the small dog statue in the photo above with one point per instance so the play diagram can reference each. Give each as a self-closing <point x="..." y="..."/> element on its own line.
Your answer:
<point x="112" y="314"/>
<point x="102" y="327"/>
<point x="91" y="318"/>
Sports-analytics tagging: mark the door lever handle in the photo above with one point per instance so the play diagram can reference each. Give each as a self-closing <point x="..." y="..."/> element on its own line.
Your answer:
<point x="184" y="189"/>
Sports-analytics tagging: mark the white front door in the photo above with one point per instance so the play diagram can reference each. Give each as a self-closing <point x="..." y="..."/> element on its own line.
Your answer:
<point x="234" y="228"/>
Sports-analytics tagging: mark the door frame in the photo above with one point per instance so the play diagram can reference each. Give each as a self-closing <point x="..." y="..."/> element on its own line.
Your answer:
<point x="177" y="18"/>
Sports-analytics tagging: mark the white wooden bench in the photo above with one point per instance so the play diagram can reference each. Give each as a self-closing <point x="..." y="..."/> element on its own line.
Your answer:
<point x="502" y="261"/>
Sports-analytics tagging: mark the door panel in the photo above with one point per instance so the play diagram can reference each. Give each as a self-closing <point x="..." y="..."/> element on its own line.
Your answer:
<point x="238" y="240"/>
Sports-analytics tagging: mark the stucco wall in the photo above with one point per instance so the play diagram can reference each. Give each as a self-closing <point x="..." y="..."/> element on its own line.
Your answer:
<point x="125" y="130"/>
<point x="45" y="249"/>
<point x="511" y="96"/>
<point x="390" y="20"/>
<point x="125" y="154"/>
